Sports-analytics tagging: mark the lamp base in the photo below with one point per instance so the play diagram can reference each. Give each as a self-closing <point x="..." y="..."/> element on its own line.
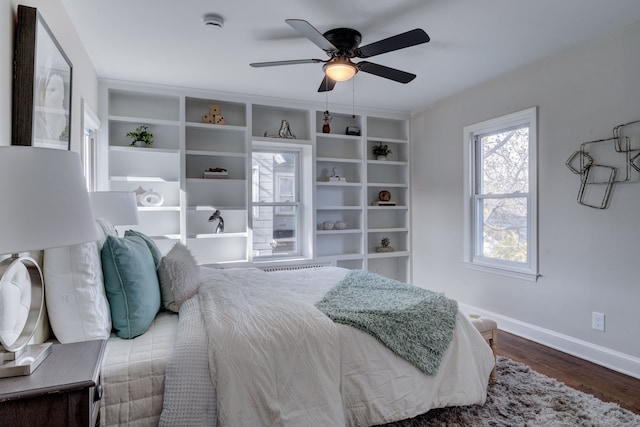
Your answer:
<point x="25" y="362"/>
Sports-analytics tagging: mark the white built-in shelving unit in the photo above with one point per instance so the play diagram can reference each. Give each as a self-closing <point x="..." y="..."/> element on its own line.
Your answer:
<point x="184" y="146"/>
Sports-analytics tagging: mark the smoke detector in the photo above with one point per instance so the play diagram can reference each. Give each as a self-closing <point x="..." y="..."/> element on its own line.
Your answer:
<point x="213" y="20"/>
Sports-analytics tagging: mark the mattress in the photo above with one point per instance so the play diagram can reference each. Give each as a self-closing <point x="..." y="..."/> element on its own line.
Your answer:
<point x="133" y="374"/>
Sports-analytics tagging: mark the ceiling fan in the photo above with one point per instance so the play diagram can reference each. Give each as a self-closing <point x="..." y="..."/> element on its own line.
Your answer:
<point x="343" y="44"/>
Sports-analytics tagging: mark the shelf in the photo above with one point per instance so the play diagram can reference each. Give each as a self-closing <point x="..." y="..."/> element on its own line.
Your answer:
<point x="337" y="160"/>
<point x="166" y="237"/>
<point x="387" y="162"/>
<point x="214" y="127"/>
<point x="158" y="208"/>
<point x="395" y="254"/>
<point x="402" y="207"/>
<point x="387" y="184"/>
<point x="141" y="179"/>
<point x="215" y="153"/>
<point x="143" y="120"/>
<point x="210" y="208"/>
<point x="347" y="231"/>
<point x="320" y="135"/>
<point x="212" y="181"/>
<point x="339" y="208"/>
<point x="387" y="140"/>
<point x="184" y="147"/>
<point x="145" y="150"/>
<point x="338" y="184"/>
<point x="216" y="235"/>
<point x="268" y="139"/>
<point x="388" y="230"/>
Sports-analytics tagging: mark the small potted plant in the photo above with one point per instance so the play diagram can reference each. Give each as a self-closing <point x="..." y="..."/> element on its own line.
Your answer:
<point x="141" y="135"/>
<point x="381" y="151"/>
<point x="384" y="245"/>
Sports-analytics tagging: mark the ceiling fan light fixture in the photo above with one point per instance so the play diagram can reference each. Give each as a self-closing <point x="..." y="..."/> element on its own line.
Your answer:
<point x="340" y="70"/>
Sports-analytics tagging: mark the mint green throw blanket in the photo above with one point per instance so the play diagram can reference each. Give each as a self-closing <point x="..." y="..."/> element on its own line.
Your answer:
<point x="415" y="323"/>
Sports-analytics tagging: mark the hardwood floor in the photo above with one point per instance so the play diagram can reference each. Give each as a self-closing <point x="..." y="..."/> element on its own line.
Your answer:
<point x="603" y="383"/>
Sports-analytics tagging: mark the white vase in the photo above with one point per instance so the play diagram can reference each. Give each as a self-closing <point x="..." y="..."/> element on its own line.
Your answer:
<point x="150" y="198"/>
<point x="381" y="157"/>
<point x="340" y="225"/>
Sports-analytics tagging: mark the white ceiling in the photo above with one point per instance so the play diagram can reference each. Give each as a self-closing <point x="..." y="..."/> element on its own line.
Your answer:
<point x="165" y="42"/>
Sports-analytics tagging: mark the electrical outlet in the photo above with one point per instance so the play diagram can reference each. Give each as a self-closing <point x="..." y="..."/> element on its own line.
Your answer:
<point x="597" y="321"/>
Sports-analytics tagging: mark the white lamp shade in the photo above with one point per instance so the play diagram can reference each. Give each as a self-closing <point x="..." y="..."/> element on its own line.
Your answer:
<point x="117" y="207"/>
<point x="43" y="200"/>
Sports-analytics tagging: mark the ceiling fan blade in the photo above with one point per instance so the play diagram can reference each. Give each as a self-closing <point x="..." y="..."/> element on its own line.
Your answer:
<point x="399" y="41"/>
<point x="310" y="32"/>
<point x="386" y="72"/>
<point x="327" y="84"/>
<point x="290" y="62"/>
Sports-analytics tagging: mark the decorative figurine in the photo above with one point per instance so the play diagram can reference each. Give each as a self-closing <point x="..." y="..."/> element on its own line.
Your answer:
<point x="335" y="177"/>
<point x="285" y="130"/>
<point x="326" y="120"/>
<point x="218" y="216"/>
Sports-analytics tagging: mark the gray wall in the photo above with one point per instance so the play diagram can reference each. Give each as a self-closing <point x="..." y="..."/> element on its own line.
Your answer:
<point x="85" y="80"/>
<point x="589" y="259"/>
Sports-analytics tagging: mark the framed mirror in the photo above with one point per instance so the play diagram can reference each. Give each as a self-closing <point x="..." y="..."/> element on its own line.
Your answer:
<point x="41" y="85"/>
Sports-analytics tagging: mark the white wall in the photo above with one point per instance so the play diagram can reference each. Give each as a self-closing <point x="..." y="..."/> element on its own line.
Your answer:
<point x="589" y="259"/>
<point x="85" y="80"/>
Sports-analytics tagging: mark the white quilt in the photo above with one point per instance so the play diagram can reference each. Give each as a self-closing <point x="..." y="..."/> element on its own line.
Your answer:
<point x="276" y="360"/>
<point x="133" y="374"/>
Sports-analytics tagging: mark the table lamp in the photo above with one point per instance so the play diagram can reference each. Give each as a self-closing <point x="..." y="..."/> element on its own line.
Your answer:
<point x="45" y="204"/>
<point x="117" y="207"/>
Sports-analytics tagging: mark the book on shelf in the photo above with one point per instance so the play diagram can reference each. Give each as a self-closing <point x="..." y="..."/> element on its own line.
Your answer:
<point x="383" y="203"/>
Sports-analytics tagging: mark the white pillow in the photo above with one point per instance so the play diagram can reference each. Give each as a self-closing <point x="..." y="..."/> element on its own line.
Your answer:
<point x="179" y="277"/>
<point x="74" y="290"/>
<point x="104" y="228"/>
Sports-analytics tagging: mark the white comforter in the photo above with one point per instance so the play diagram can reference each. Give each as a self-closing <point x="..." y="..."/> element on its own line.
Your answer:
<point x="276" y="360"/>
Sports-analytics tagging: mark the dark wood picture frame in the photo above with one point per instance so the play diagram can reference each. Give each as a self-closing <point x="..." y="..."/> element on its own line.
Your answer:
<point x="42" y="80"/>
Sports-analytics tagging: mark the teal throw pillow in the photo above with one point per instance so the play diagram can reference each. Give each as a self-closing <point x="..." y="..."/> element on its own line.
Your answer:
<point x="131" y="284"/>
<point x="155" y="251"/>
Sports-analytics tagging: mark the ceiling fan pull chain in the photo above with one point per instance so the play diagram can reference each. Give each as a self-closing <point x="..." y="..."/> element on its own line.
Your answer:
<point x="353" y="98"/>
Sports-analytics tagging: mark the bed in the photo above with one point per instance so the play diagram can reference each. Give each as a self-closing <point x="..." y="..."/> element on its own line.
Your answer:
<point x="274" y="359"/>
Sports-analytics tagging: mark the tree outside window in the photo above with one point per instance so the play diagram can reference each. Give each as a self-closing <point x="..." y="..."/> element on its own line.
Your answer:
<point x="500" y="189"/>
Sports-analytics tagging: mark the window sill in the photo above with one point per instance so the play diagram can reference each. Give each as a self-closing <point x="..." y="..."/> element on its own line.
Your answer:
<point x="516" y="274"/>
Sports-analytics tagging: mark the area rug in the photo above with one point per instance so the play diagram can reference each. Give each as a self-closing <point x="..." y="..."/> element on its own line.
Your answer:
<point x="523" y="397"/>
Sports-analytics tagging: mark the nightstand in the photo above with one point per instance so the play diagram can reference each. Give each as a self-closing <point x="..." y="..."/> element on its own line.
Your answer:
<point x="64" y="390"/>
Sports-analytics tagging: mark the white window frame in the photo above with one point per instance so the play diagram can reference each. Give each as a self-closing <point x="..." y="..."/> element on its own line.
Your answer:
<point x="89" y="146"/>
<point x="302" y="192"/>
<point x="472" y="228"/>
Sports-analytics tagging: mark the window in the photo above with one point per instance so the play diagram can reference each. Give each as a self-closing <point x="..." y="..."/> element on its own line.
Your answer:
<point x="500" y="195"/>
<point x="276" y="203"/>
<point x="89" y="158"/>
<point x="89" y="150"/>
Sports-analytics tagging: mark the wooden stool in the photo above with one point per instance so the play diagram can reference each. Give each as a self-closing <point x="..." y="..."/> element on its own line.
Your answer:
<point x="488" y="328"/>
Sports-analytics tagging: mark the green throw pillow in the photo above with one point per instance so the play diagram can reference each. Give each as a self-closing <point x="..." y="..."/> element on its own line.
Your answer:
<point x="131" y="284"/>
<point x="155" y="251"/>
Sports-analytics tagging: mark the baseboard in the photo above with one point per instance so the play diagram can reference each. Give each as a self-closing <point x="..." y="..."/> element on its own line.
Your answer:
<point x="612" y="359"/>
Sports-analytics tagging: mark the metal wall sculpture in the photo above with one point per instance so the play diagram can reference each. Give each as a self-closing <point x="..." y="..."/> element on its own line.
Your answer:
<point x="597" y="179"/>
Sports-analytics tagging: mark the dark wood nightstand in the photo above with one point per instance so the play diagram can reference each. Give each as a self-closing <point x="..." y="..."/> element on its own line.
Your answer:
<point x="65" y="390"/>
